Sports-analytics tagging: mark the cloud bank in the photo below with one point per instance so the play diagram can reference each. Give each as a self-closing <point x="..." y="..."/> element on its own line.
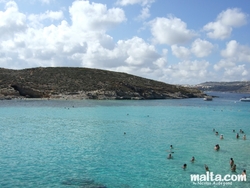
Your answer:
<point x="173" y="53"/>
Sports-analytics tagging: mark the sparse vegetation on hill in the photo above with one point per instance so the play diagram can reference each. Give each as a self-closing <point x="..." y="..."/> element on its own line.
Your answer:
<point x="237" y="87"/>
<point x="85" y="83"/>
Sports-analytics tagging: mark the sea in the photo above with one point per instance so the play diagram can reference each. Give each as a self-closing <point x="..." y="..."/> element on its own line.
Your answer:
<point x="122" y="143"/>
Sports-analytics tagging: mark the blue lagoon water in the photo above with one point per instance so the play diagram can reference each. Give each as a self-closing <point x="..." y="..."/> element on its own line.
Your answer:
<point x="57" y="143"/>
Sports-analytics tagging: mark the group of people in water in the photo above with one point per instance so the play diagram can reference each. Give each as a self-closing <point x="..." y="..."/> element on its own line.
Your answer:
<point x="237" y="134"/>
<point x="216" y="147"/>
<point x="233" y="167"/>
<point x="192" y="160"/>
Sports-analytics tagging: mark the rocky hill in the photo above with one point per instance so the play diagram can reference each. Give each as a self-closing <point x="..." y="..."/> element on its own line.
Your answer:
<point x="85" y="83"/>
<point x="237" y="86"/>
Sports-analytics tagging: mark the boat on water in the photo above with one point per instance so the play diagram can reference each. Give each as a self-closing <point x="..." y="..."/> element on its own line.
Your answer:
<point x="208" y="98"/>
<point x="245" y="99"/>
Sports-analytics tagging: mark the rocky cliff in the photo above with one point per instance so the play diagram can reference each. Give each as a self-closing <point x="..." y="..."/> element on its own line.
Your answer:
<point x="85" y="83"/>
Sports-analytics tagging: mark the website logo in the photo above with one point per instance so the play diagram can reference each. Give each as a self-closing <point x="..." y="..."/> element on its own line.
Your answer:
<point x="211" y="179"/>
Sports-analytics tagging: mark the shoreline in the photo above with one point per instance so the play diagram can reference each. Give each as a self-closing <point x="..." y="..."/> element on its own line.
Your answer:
<point x="100" y="97"/>
<point x="82" y="99"/>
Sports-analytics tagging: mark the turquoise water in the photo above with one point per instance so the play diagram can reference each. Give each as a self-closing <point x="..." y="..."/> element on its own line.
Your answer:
<point x="82" y="143"/>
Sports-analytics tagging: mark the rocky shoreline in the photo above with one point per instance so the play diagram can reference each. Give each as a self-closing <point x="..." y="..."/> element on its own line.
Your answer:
<point x="102" y="95"/>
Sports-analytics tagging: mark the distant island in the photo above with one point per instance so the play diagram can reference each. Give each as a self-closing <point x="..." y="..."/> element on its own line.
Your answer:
<point x="236" y="87"/>
<point x="86" y="83"/>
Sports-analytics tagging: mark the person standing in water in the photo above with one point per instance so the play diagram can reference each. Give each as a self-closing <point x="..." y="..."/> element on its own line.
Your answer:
<point x="217" y="147"/>
<point x="192" y="160"/>
<point x="184" y="166"/>
<point x="231" y="162"/>
<point x="233" y="168"/>
<point x="244" y="173"/>
<point x="237" y="135"/>
<point x="170" y="156"/>
<point x="206" y="168"/>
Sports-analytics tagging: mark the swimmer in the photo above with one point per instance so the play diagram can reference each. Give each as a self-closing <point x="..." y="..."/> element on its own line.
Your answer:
<point x="217" y="147"/>
<point x="237" y="135"/>
<point x="184" y="166"/>
<point x="192" y="160"/>
<point x="231" y="162"/>
<point x="233" y="130"/>
<point x="233" y="169"/>
<point x="171" y="147"/>
<point x="216" y="133"/>
<point x="206" y="167"/>
<point x="170" y="156"/>
<point x="244" y="173"/>
<point x="240" y="131"/>
<point x="124" y="133"/>
<point x="244" y="137"/>
<point x="221" y="136"/>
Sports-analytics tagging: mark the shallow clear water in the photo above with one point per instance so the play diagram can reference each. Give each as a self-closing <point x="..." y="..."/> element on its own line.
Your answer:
<point x="82" y="143"/>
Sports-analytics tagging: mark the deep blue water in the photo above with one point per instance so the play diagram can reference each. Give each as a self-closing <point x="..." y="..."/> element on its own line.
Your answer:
<point x="58" y="143"/>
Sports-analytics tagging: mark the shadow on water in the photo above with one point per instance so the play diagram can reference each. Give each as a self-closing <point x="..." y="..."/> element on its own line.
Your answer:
<point x="84" y="183"/>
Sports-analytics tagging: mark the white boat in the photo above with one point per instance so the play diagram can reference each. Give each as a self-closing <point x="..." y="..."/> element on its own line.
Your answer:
<point x="208" y="98"/>
<point x="245" y="99"/>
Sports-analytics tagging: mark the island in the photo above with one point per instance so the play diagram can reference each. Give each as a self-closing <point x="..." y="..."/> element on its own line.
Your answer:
<point x="234" y="87"/>
<point x="86" y="83"/>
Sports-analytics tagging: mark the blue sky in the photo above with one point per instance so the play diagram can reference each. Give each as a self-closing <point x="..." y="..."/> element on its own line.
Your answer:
<point x="177" y="42"/>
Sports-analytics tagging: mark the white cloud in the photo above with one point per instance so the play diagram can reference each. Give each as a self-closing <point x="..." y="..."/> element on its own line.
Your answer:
<point x="61" y="44"/>
<point x="223" y="64"/>
<point x="160" y="62"/>
<point x="45" y="1"/>
<point x="52" y="15"/>
<point x="95" y="16"/>
<point x="236" y="52"/>
<point x="229" y="71"/>
<point x="84" y="42"/>
<point x="133" y="2"/>
<point x="236" y="72"/>
<point x="180" y="52"/>
<point x="201" y="48"/>
<point x="234" y="55"/>
<point x="11" y="20"/>
<point x="239" y="18"/>
<point x="226" y="20"/>
<point x="36" y="20"/>
<point x="187" y="72"/>
<point x="139" y="52"/>
<point x="130" y="53"/>
<point x="145" y="13"/>
<point x="170" y="31"/>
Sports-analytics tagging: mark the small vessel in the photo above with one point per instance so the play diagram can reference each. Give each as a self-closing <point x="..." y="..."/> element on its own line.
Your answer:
<point x="245" y="99"/>
<point x="208" y="98"/>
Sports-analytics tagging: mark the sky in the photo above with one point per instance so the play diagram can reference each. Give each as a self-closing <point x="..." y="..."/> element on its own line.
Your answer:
<point x="173" y="41"/>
